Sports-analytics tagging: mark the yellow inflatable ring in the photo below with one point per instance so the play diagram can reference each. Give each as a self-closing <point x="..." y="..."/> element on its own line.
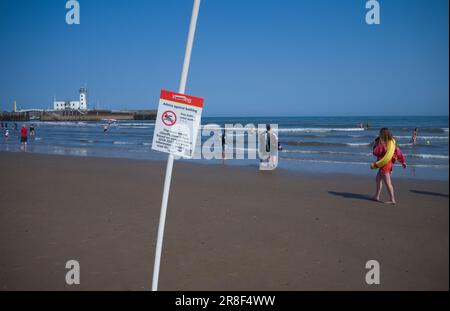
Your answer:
<point x="390" y="150"/>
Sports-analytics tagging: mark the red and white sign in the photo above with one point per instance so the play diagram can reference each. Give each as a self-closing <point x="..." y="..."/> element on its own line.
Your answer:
<point x="177" y="123"/>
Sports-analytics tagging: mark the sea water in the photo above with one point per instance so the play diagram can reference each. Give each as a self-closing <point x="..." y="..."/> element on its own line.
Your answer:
<point x="313" y="144"/>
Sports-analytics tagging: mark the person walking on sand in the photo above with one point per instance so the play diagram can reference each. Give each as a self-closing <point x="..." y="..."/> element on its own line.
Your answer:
<point x="414" y="136"/>
<point x="23" y="138"/>
<point x="380" y="149"/>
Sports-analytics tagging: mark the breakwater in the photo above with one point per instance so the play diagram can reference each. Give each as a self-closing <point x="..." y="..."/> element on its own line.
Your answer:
<point x="76" y="115"/>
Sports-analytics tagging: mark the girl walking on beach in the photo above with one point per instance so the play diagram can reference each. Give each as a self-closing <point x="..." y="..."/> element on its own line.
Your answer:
<point x="387" y="152"/>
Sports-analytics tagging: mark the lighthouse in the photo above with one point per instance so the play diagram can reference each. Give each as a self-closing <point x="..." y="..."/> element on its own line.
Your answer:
<point x="72" y="104"/>
<point x="83" y="99"/>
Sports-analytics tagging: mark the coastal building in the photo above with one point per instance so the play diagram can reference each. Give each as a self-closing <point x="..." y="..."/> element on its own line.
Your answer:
<point x="71" y="104"/>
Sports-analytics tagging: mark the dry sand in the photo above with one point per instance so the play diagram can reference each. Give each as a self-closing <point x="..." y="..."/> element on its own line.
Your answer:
<point x="228" y="228"/>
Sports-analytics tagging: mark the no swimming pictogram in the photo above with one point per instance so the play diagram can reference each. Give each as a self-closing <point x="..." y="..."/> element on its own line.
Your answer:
<point x="169" y="118"/>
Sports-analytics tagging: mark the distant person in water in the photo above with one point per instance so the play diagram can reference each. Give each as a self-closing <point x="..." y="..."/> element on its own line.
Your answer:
<point x="15" y="126"/>
<point x="414" y="136"/>
<point x="105" y="128"/>
<point x="384" y="173"/>
<point x="223" y="145"/>
<point x="32" y="131"/>
<point x="6" y="135"/>
<point x="23" y="138"/>
<point x="269" y="144"/>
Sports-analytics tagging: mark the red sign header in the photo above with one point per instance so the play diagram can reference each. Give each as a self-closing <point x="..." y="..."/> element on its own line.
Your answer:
<point x="182" y="98"/>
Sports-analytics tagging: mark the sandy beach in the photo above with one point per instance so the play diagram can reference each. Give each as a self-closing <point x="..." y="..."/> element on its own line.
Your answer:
<point x="228" y="228"/>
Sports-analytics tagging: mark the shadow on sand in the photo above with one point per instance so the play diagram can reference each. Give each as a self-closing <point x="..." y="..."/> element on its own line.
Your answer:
<point x="436" y="194"/>
<point x="350" y="195"/>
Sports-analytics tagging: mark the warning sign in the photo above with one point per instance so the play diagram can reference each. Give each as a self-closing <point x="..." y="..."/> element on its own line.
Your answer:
<point x="177" y="123"/>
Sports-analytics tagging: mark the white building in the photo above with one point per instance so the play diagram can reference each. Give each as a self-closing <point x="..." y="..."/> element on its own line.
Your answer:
<point x="70" y="104"/>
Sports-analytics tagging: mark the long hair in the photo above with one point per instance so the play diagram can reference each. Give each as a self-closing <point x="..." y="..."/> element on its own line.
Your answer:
<point x="385" y="135"/>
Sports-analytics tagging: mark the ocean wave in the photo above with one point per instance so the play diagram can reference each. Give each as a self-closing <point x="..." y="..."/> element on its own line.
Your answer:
<point x="326" y="161"/>
<point x="292" y="130"/>
<point x="134" y="127"/>
<point x="67" y="123"/>
<point x="428" y="156"/>
<point x="125" y="143"/>
<point x="424" y="137"/>
<point x="356" y="144"/>
<point x="135" y="124"/>
<point x="318" y="143"/>
<point x="327" y="152"/>
<point x="320" y="130"/>
<point x="434" y="130"/>
<point x="360" y="163"/>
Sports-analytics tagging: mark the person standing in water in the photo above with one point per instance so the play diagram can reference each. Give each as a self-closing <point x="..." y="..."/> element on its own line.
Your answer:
<point x="268" y="148"/>
<point x="32" y="130"/>
<point x="223" y="145"/>
<point x="384" y="173"/>
<point x="23" y="138"/>
<point x="414" y="136"/>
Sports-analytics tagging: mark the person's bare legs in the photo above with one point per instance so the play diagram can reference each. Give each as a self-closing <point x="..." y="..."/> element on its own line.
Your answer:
<point x="390" y="188"/>
<point x="379" y="182"/>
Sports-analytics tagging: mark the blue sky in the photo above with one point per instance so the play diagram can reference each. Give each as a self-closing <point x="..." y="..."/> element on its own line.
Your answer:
<point x="250" y="57"/>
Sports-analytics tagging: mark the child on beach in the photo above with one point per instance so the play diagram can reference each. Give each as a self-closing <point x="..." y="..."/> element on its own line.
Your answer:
<point x="385" y="172"/>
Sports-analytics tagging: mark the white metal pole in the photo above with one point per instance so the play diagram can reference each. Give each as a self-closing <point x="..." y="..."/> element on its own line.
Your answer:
<point x="167" y="179"/>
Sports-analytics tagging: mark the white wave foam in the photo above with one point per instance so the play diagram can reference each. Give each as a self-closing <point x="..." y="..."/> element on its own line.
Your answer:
<point x="124" y="143"/>
<point x="327" y="152"/>
<point x="319" y="130"/>
<point x="135" y="124"/>
<point x="294" y="129"/>
<point x="362" y="163"/>
<point x="424" y="137"/>
<point x="428" y="156"/>
<point x="357" y="144"/>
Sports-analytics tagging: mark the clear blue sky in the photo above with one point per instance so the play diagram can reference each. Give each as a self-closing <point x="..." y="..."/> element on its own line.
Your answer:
<point x="250" y="57"/>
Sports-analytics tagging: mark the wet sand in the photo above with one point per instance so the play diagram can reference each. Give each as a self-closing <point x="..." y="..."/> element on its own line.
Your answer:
<point x="228" y="228"/>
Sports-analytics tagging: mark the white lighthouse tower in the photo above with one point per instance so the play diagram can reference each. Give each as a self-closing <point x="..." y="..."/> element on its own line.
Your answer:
<point x="83" y="99"/>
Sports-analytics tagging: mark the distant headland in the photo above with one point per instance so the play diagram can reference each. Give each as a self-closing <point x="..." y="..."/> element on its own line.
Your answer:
<point x="70" y="110"/>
